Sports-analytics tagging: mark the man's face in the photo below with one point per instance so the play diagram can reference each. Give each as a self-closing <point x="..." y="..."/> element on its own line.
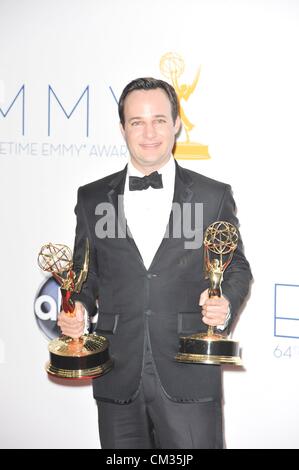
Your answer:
<point x="149" y="129"/>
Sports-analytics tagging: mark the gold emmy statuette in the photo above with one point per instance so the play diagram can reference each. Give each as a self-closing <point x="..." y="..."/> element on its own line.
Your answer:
<point x="172" y="67"/>
<point x="220" y="242"/>
<point x="87" y="356"/>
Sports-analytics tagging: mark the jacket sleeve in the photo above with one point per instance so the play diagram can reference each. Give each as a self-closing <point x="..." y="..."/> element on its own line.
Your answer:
<point x="89" y="292"/>
<point x="237" y="277"/>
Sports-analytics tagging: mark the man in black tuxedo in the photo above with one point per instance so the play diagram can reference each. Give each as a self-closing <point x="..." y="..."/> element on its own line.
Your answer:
<point x="144" y="226"/>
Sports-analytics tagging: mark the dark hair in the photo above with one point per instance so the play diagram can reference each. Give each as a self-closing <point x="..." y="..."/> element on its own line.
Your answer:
<point x="149" y="83"/>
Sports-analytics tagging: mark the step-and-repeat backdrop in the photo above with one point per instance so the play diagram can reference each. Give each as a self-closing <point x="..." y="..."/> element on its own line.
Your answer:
<point x="235" y="67"/>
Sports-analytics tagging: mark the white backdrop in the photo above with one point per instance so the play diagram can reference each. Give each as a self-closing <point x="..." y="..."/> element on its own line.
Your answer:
<point x="245" y="108"/>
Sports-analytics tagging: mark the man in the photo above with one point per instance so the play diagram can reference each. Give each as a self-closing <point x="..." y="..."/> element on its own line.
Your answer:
<point x="148" y="278"/>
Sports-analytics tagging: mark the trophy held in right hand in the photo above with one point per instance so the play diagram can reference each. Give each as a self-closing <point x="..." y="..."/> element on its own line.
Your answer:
<point x="87" y="356"/>
<point x="220" y="242"/>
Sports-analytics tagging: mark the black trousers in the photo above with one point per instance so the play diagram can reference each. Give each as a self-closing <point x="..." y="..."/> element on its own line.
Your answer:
<point x="153" y="421"/>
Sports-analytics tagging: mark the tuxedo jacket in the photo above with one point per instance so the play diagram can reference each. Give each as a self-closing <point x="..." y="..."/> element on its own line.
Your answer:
<point x="138" y="306"/>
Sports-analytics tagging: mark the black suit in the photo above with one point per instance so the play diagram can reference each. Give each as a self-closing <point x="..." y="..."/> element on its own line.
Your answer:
<point x="159" y="303"/>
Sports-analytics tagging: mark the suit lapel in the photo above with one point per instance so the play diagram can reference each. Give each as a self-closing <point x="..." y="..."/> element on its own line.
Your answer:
<point x="183" y="185"/>
<point x="115" y="197"/>
<point x="117" y="186"/>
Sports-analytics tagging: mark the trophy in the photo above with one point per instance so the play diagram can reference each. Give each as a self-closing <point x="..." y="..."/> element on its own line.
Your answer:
<point x="87" y="356"/>
<point x="220" y="242"/>
<point x="172" y="66"/>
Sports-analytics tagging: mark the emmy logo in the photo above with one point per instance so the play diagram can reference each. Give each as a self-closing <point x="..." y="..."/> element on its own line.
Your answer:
<point x="87" y="356"/>
<point x="172" y="67"/>
<point x="220" y="242"/>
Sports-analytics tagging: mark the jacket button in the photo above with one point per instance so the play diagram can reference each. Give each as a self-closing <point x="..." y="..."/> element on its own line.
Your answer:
<point x="148" y="312"/>
<point x="150" y="275"/>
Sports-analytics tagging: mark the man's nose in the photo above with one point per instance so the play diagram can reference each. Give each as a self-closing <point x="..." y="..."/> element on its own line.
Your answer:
<point x="149" y="130"/>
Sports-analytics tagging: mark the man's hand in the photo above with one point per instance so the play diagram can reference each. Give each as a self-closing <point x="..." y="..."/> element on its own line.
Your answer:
<point x="72" y="326"/>
<point x="214" y="309"/>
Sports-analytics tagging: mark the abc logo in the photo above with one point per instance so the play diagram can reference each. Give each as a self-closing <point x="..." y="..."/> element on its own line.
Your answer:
<point x="46" y="308"/>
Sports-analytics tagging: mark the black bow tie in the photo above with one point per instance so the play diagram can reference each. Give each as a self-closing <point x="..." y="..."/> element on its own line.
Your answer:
<point x="137" y="183"/>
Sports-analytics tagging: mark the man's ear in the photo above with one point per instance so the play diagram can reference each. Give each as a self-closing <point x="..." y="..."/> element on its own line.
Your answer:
<point x="177" y="125"/>
<point x="122" y="130"/>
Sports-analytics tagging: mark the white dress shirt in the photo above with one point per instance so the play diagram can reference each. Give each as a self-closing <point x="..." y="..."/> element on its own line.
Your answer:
<point x="147" y="211"/>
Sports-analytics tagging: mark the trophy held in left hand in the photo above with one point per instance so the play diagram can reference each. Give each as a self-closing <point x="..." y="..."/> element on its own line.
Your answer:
<point x="87" y="356"/>
<point x="220" y="242"/>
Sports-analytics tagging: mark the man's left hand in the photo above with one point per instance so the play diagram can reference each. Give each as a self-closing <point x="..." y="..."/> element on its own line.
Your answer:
<point x="214" y="309"/>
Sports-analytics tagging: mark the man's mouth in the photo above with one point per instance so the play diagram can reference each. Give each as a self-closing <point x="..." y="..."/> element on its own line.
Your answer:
<point x="150" y="146"/>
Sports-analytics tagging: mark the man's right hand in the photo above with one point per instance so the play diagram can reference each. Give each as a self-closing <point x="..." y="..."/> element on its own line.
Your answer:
<point x="72" y="326"/>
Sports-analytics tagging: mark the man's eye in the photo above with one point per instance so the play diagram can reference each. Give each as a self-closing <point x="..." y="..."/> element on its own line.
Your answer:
<point x="161" y="121"/>
<point x="136" y="123"/>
